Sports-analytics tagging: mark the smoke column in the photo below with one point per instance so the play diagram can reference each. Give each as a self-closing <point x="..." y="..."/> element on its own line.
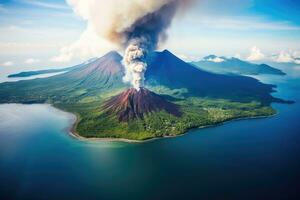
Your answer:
<point x="135" y="25"/>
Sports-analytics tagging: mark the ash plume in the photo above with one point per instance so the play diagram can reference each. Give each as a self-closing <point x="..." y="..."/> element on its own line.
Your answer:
<point x="135" y="25"/>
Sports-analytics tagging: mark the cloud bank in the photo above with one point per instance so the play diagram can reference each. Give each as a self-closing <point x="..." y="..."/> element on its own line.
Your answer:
<point x="8" y="63"/>
<point x="255" y="54"/>
<point x="285" y="56"/>
<point x="31" y="61"/>
<point x="289" y="56"/>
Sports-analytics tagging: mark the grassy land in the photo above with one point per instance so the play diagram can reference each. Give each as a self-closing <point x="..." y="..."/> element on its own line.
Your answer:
<point x="197" y="112"/>
<point x="86" y="102"/>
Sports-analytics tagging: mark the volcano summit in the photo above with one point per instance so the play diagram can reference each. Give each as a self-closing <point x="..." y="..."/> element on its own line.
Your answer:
<point x="134" y="103"/>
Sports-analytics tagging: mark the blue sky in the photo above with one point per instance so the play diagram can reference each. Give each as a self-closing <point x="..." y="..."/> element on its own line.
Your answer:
<point x="45" y="33"/>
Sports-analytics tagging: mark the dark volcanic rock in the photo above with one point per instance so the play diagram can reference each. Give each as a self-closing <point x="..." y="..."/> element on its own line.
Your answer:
<point x="132" y="104"/>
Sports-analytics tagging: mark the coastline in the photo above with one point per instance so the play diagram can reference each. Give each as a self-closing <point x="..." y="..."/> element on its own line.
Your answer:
<point x="73" y="133"/>
<point x="76" y="118"/>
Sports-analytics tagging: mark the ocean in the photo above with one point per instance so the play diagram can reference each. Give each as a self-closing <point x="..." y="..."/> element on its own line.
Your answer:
<point x="244" y="159"/>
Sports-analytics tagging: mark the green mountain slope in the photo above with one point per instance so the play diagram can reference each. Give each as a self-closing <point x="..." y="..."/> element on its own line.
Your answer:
<point x="203" y="98"/>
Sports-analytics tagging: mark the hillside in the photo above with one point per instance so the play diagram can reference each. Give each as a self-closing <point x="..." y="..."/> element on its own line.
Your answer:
<point x="223" y="65"/>
<point x="202" y="98"/>
<point x="132" y="104"/>
<point x="101" y="75"/>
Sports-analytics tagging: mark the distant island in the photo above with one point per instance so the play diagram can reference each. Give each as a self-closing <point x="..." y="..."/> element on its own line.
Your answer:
<point x="177" y="97"/>
<point x="46" y="71"/>
<point x="34" y="73"/>
<point x="225" y="65"/>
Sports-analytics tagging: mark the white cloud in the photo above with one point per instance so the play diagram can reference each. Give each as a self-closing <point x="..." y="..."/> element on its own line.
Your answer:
<point x="255" y="54"/>
<point x="87" y="46"/>
<point x="216" y="60"/>
<point x="31" y="61"/>
<point x="46" y="4"/>
<point x="237" y="55"/>
<point x="8" y="63"/>
<point x="185" y="57"/>
<point x="26" y="48"/>
<point x="284" y="57"/>
<point x="289" y="56"/>
<point x="26" y="22"/>
<point x="242" y="23"/>
<point x="33" y="42"/>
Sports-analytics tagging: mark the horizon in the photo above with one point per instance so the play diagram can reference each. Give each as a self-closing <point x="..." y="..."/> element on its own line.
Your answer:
<point x="43" y="34"/>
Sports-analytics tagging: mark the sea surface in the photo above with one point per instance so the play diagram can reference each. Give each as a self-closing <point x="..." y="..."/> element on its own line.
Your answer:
<point x="245" y="159"/>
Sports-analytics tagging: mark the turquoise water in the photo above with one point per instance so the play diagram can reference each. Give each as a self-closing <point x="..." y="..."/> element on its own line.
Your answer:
<point x="247" y="159"/>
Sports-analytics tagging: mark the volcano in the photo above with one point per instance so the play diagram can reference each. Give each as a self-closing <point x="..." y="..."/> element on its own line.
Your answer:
<point x="205" y="98"/>
<point x="133" y="103"/>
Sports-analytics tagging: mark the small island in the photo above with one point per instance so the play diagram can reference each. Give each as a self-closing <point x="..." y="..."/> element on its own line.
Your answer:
<point x="177" y="96"/>
<point x="223" y="65"/>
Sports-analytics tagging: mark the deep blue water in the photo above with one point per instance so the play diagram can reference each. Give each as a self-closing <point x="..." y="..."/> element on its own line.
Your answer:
<point x="247" y="159"/>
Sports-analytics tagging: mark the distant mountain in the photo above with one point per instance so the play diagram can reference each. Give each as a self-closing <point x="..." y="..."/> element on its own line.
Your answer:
<point x="225" y="65"/>
<point x="48" y="71"/>
<point x="39" y="72"/>
<point x="167" y="69"/>
<point x="164" y="69"/>
<point x="182" y="96"/>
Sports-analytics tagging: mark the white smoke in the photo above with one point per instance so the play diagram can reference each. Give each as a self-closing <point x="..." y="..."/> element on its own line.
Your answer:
<point x="136" y="25"/>
<point x="135" y="64"/>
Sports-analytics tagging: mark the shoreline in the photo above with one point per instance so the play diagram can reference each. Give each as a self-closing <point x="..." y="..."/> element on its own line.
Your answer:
<point x="76" y="118"/>
<point x="74" y="134"/>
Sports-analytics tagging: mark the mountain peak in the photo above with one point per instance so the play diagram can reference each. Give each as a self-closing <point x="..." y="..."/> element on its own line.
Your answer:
<point x="165" y="55"/>
<point x="166" y="51"/>
<point x="102" y="70"/>
<point x="133" y="103"/>
<point x="209" y="57"/>
<point x="224" y="65"/>
<point x="112" y="55"/>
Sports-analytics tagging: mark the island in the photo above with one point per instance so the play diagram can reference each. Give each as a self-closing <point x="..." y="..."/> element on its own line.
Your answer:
<point x="47" y="71"/>
<point x="223" y="65"/>
<point x="177" y="96"/>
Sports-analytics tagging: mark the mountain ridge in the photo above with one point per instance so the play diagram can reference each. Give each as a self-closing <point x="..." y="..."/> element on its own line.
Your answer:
<point x="225" y="65"/>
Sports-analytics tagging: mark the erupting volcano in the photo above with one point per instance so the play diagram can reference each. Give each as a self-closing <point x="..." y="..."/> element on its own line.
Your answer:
<point x="182" y="96"/>
<point x="133" y="103"/>
<point x="137" y="27"/>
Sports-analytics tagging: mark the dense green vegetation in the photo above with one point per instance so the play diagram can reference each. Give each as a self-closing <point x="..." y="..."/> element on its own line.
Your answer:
<point x="197" y="112"/>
